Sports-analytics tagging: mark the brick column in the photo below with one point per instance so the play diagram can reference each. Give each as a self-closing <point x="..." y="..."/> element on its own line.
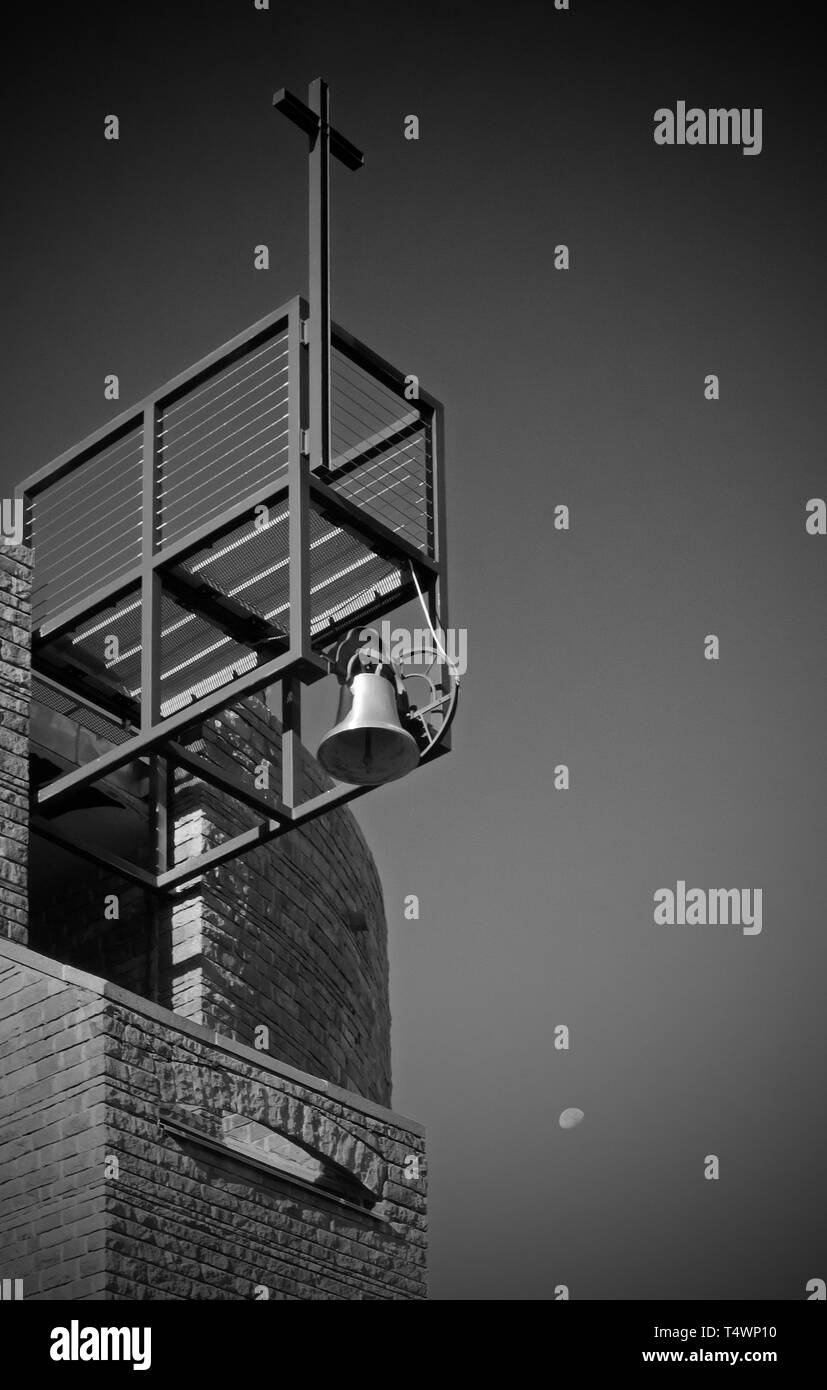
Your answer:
<point x="15" y="698"/>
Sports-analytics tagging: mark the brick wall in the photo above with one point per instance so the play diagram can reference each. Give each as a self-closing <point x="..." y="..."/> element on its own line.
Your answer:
<point x="93" y="1074"/>
<point x="15" y="589"/>
<point x="52" y="1134"/>
<point x="263" y="940"/>
<point x="117" y="1176"/>
<point x="276" y="942"/>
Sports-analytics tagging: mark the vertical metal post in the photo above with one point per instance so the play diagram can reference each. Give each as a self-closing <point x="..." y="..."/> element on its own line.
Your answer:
<point x="298" y="486"/>
<point x="160" y="850"/>
<point x="291" y="726"/>
<point x="150" y="687"/>
<point x="319" y="277"/>
<point x="150" y="584"/>
<point x="437" y="597"/>
<point x="150" y="670"/>
<point x="159" y="814"/>
<point x="299" y="544"/>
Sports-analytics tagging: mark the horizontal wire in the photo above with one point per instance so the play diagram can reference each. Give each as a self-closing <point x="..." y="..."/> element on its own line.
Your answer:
<point x="175" y="442"/>
<point x="350" y="414"/>
<point x="370" y="438"/>
<point x="383" y="421"/>
<point x="368" y="427"/>
<point x="231" y="473"/>
<point x="110" y="455"/>
<point x="411" y="497"/>
<point x="72" y="481"/>
<point x="132" y="445"/>
<point x="40" y="524"/>
<point x="175" y="425"/>
<point x="236" y="478"/>
<point x="391" y="516"/>
<point x="220" y="492"/>
<point x="204" y="513"/>
<point x="57" y="566"/>
<point x="175" y="464"/>
<point x="356" y="483"/>
<point x="214" y="507"/>
<point x="171" y="478"/>
<point x="389" y="451"/>
<point x="108" y="560"/>
<point x="376" y="502"/>
<point x="363" y="487"/>
<point x="364" y="499"/>
<point x="57" y="563"/>
<point x="78" y="590"/>
<point x="362" y="381"/>
<point x="223" y="374"/>
<point x="169" y="488"/>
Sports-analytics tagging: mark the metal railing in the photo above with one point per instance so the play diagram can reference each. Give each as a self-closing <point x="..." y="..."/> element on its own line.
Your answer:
<point x="187" y="555"/>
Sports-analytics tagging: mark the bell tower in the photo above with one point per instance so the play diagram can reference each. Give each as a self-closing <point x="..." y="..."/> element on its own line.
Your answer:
<point x="194" y="963"/>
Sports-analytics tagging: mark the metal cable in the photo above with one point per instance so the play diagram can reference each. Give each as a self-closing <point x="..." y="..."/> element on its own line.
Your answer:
<point x="224" y="375"/>
<point x="176" y="424"/>
<point x="174" y="487"/>
<point x="50" y="489"/>
<point x="179" y="513"/>
<point x="175" y="444"/>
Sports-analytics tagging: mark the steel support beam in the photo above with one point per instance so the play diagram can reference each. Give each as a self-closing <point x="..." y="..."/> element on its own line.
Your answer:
<point x="253" y="839"/>
<point x="319" y="102"/>
<point x="226" y="782"/>
<point x="149" y="740"/>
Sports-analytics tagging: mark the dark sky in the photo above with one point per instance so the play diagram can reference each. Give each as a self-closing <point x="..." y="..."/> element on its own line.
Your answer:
<point x="582" y="387"/>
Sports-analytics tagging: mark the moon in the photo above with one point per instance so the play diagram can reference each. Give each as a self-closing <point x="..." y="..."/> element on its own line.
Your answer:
<point x="570" y="1118"/>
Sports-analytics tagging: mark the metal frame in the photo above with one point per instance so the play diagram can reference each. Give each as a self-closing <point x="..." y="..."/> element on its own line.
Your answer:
<point x="309" y="485"/>
<point x="158" y="738"/>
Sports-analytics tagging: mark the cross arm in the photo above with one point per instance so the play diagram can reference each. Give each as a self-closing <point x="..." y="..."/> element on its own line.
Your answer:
<point x="301" y="115"/>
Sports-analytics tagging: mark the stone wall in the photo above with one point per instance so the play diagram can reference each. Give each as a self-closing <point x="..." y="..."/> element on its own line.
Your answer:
<point x="15" y="647"/>
<point x="276" y="938"/>
<point x="291" y="937"/>
<point x="265" y="940"/>
<point x="52" y="1132"/>
<point x="107" y="1190"/>
<point x="147" y="1151"/>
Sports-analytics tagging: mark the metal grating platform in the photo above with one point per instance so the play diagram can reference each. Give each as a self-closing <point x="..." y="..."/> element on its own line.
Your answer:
<point x="188" y="555"/>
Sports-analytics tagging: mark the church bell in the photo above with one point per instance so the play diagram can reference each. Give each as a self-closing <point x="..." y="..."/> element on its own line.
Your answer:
<point x="367" y="744"/>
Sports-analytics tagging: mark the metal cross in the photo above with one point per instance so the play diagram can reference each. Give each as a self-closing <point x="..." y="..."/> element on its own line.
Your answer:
<point x="314" y="119"/>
